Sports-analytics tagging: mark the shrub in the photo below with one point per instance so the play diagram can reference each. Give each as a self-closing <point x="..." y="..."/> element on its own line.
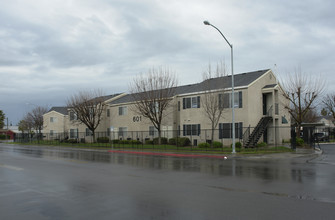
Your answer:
<point x="115" y="141"/>
<point x="123" y="142"/>
<point x="135" y="142"/>
<point x="183" y="141"/>
<point x="71" y="141"/>
<point x="172" y="141"/>
<point x="204" y="145"/>
<point x="262" y="144"/>
<point x="103" y="140"/>
<point x="217" y="144"/>
<point x="164" y="140"/>
<point x="3" y="137"/>
<point x="299" y="141"/>
<point x="149" y="142"/>
<point x="238" y="146"/>
<point x="180" y="141"/>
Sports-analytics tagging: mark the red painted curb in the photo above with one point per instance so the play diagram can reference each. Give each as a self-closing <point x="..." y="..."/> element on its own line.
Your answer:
<point x="167" y="154"/>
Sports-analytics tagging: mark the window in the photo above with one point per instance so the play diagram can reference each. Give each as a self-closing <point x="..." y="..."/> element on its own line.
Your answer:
<point x="225" y="130"/>
<point x="195" y="102"/>
<point x="225" y="100"/>
<point x="53" y="119"/>
<point x="284" y="120"/>
<point x="73" y="133"/>
<point x="123" y="110"/>
<point x="51" y="133"/>
<point x="108" y="132"/>
<point x="88" y="132"/>
<point x="123" y="131"/>
<point x="108" y="112"/>
<point x="73" y="116"/>
<point x="191" y="129"/>
<point x="192" y="102"/>
<point x="153" y="131"/>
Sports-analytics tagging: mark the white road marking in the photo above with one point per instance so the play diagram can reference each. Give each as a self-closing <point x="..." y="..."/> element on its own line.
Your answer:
<point x="11" y="167"/>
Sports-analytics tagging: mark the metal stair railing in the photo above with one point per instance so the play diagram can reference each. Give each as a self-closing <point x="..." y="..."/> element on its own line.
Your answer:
<point x="258" y="131"/>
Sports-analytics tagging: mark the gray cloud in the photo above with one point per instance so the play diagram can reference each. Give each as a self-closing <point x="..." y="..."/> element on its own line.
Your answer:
<point x="50" y="50"/>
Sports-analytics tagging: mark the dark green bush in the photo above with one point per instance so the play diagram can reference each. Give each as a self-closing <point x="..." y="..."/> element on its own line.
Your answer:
<point x="124" y="142"/>
<point x="103" y="140"/>
<point x="172" y="141"/>
<point x="237" y="145"/>
<point x="164" y="140"/>
<point x="204" y="145"/>
<point x="115" y="141"/>
<point x="217" y="144"/>
<point x="300" y="142"/>
<point x="149" y="142"/>
<point x="71" y="141"/>
<point x="3" y="137"/>
<point x="135" y="142"/>
<point x="180" y="141"/>
<point x="183" y="141"/>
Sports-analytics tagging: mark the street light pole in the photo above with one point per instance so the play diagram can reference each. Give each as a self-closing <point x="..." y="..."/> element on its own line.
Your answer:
<point x="232" y="85"/>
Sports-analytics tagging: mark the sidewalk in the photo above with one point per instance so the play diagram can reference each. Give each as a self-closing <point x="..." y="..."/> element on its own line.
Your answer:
<point x="299" y="153"/>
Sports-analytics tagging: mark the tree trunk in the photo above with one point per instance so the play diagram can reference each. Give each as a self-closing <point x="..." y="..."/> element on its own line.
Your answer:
<point x="159" y="137"/>
<point x="212" y="138"/>
<point x="93" y="134"/>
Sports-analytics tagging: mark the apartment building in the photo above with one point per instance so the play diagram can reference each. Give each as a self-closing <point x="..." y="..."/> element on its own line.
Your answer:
<point x="258" y="103"/>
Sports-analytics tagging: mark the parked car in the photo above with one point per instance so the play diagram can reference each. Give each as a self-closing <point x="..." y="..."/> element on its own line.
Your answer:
<point x="321" y="136"/>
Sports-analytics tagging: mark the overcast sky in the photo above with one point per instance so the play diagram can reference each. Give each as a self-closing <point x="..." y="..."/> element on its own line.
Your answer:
<point x="50" y="50"/>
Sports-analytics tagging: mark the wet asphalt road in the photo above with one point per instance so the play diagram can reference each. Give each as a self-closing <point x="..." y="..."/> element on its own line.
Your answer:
<point x="56" y="183"/>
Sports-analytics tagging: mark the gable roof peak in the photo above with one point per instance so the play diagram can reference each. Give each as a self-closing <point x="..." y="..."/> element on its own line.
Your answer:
<point x="62" y="110"/>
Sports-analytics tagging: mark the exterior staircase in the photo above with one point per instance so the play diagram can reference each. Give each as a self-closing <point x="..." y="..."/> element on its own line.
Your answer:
<point x="250" y="140"/>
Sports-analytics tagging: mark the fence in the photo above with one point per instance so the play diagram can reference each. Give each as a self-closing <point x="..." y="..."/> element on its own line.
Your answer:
<point x="188" y="139"/>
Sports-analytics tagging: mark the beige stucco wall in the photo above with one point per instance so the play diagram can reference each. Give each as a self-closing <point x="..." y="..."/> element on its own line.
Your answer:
<point x="59" y="126"/>
<point x="250" y="113"/>
<point x="255" y="98"/>
<point x="138" y="126"/>
<point x="276" y="130"/>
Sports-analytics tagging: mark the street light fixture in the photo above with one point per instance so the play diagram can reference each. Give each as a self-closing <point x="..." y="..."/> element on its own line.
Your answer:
<point x="232" y="84"/>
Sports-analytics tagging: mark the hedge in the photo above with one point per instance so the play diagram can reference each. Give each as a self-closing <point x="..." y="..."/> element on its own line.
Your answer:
<point x="181" y="141"/>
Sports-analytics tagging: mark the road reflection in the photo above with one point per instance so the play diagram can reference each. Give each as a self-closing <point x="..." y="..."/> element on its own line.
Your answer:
<point x="264" y="169"/>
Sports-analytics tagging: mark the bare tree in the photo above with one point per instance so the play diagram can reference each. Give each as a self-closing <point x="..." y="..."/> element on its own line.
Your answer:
<point x="329" y="104"/>
<point x="88" y="108"/>
<point x="302" y="92"/>
<point x="212" y="100"/>
<point x="35" y="118"/>
<point x="28" y="123"/>
<point x="152" y="95"/>
<point x="24" y="126"/>
<point x="324" y="111"/>
<point x="311" y="116"/>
